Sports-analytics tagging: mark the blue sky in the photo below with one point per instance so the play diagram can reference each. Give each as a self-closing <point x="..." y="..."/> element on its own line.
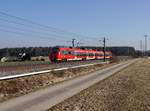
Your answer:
<point x="123" y="22"/>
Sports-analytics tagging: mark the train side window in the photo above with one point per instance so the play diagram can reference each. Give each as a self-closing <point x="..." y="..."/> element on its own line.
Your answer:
<point x="69" y="52"/>
<point x="90" y="54"/>
<point x="107" y="54"/>
<point x="81" y="54"/>
<point x="101" y="55"/>
<point x="76" y="53"/>
<point x="96" y="54"/>
<point x="84" y="54"/>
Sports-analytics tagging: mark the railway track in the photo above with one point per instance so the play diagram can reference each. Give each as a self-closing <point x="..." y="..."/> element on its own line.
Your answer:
<point x="40" y="68"/>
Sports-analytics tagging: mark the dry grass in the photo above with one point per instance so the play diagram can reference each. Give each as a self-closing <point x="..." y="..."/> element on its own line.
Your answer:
<point x="128" y="90"/>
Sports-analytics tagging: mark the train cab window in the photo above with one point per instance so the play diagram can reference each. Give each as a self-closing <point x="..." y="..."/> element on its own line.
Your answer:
<point x="64" y="52"/>
<point x="55" y="50"/>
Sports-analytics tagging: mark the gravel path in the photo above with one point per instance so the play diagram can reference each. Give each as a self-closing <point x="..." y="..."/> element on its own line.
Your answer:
<point x="128" y="90"/>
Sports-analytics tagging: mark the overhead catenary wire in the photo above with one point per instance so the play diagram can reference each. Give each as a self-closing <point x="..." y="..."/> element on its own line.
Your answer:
<point x="26" y="34"/>
<point x="56" y="36"/>
<point x="22" y="24"/>
<point x="47" y="32"/>
<point x="45" y="35"/>
<point x="45" y="26"/>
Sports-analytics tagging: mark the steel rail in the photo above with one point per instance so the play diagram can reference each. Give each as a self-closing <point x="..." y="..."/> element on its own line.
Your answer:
<point x="46" y="71"/>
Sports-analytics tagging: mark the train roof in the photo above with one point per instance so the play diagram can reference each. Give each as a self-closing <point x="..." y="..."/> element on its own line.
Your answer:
<point x="79" y="49"/>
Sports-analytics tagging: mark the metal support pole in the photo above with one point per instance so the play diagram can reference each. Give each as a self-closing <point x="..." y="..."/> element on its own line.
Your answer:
<point x="145" y="44"/>
<point x="73" y="42"/>
<point x="104" y="49"/>
<point x="141" y="47"/>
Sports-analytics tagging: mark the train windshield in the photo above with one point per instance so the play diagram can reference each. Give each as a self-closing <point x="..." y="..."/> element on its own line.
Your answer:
<point x="55" y="50"/>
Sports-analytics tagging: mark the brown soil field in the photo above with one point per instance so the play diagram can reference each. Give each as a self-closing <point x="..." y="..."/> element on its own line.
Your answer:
<point x="127" y="90"/>
<point x="20" y="86"/>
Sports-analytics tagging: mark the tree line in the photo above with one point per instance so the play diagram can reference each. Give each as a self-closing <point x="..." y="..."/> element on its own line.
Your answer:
<point x="45" y="51"/>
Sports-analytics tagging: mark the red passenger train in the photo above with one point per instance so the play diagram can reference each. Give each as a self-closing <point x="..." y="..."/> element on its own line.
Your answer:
<point x="70" y="54"/>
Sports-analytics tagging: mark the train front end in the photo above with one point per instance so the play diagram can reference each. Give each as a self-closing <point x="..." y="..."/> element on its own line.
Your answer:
<point x="54" y="54"/>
